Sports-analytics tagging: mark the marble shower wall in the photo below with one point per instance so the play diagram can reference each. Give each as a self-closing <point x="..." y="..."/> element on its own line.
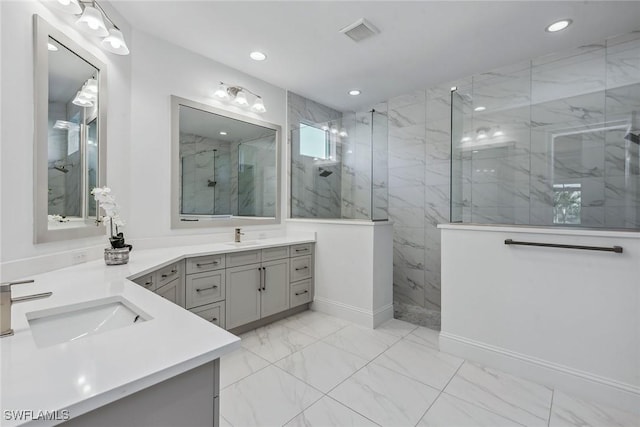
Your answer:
<point x="204" y="162"/>
<point x="562" y="118"/>
<point x="312" y="195"/>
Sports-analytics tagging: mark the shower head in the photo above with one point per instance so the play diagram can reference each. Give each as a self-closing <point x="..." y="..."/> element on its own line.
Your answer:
<point x="324" y="173"/>
<point x="635" y="138"/>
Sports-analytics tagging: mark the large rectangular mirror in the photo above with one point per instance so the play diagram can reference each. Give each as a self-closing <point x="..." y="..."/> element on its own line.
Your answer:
<point x="70" y="139"/>
<point x="226" y="168"/>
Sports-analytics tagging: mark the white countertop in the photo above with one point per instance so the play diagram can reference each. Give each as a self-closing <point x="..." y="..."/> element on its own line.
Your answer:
<point x="540" y="229"/>
<point x="95" y="370"/>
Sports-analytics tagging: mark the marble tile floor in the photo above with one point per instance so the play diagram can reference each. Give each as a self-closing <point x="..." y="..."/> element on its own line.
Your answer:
<point x="316" y="370"/>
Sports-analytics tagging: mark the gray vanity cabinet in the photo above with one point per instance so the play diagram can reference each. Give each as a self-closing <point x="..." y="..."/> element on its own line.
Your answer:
<point x="257" y="290"/>
<point x="244" y="286"/>
<point x="168" y="282"/>
<point x="275" y="287"/>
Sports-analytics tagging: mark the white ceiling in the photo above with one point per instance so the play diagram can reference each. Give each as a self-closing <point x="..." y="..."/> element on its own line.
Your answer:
<point x="421" y="43"/>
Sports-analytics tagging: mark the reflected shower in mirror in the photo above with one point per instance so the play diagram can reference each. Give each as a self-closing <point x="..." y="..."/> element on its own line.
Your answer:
<point x="72" y="134"/>
<point x="226" y="167"/>
<point x="70" y="129"/>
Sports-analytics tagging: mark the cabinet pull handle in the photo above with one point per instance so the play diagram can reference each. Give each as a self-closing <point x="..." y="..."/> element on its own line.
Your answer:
<point x="302" y="250"/>
<point x="303" y="292"/>
<point x="302" y="268"/>
<point x="260" y="279"/>
<point x="200" y="264"/>
<point x="149" y="283"/>
<point x="206" y="289"/>
<point x="174" y="271"/>
<point x="264" y="278"/>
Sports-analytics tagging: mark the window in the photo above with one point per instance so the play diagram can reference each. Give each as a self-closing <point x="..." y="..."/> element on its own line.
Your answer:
<point x="567" y="203"/>
<point x="314" y="142"/>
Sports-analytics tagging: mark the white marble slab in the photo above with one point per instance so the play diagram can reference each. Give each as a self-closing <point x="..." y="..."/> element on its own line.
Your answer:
<point x="328" y="412"/>
<point x="363" y="342"/>
<point x="314" y="323"/>
<point x="568" y="411"/>
<point x="322" y="365"/>
<point x="270" y="397"/>
<point x="238" y="365"/>
<point x="384" y="396"/>
<point x="275" y="341"/>
<point x="512" y="397"/>
<point x="449" y="411"/>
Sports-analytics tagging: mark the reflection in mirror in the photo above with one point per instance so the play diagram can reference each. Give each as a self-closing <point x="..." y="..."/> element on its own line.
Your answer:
<point x="226" y="171"/>
<point x="72" y="137"/>
<point x="69" y="143"/>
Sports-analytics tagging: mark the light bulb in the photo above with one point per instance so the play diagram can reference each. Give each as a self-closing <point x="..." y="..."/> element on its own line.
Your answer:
<point x="91" y="22"/>
<point x="482" y="134"/>
<point x="69" y="6"/>
<point x="241" y="99"/>
<point x="498" y="133"/>
<point x="343" y="133"/>
<point x="258" y="106"/>
<point x="479" y="108"/>
<point x="465" y="139"/>
<point x="221" y="92"/>
<point x="115" y="43"/>
<point x="558" y="25"/>
<point x="324" y="128"/>
<point x="354" y="92"/>
<point x="334" y="130"/>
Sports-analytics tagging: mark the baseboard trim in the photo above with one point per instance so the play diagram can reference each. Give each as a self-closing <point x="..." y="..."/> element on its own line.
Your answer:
<point x="366" y="318"/>
<point x="574" y="381"/>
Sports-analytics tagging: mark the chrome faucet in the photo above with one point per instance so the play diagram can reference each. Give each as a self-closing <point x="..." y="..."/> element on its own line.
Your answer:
<point x="238" y="234"/>
<point x="6" y="301"/>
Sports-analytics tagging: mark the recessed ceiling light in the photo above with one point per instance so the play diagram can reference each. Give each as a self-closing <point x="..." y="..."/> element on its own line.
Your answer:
<point x="258" y="56"/>
<point x="479" y="108"/>
<point x="52" y="47"/>
<point x="558" y="25"/>
<point x="354" y="92"/>
<point x="223" y="133"/>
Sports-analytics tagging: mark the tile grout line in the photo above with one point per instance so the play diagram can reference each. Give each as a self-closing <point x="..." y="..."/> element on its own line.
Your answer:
<point x="441" y="391"/>
<point x="553" y="393"/>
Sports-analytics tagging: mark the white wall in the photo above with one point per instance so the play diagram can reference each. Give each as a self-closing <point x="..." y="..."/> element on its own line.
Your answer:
<point x="17" y="117"/>
<point x="160" y="70"/>
<point x="562" y="317"/>
<point x="353" y="268"/>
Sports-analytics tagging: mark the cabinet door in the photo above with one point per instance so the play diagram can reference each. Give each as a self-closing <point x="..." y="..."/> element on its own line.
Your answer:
<point x="173" y="291"/>
<point x="275" y="287"/>
<point x="243" y="295"/>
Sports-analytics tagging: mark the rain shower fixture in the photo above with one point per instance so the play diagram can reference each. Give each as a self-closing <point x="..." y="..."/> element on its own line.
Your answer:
<point x="238" y="96"/>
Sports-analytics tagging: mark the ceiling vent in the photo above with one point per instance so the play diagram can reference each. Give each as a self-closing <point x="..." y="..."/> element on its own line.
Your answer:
<point x="360" y="30"/>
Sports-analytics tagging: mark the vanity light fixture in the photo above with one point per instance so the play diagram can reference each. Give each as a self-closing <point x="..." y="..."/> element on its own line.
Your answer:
<point x="69" y="6"/>
<point x="92" y="22"/>
<point x="558" y="26"/>
<point x="257" y="56"/>
<point x="354" y="92"/>
<point x="81" y="100"/>
<point x="238" y="95"/>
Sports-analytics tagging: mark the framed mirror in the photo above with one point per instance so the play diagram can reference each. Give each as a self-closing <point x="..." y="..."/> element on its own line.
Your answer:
<point x="225" y="167"/>
<point x="70" y="136"/>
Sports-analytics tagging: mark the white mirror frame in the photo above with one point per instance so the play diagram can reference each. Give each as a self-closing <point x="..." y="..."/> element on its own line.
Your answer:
<point x="176" y="221"/>
<point x="41" y="32"/>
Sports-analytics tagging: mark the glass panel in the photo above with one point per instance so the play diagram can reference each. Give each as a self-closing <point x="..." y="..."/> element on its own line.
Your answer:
<point x="551" y="142"/>
<point x="380" y="164"/>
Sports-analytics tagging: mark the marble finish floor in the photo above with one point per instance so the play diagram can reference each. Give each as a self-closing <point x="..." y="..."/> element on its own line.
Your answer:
<point x="316" y="370"/>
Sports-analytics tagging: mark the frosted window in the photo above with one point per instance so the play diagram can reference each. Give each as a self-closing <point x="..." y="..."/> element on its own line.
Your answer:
<point x="314" y="142"/>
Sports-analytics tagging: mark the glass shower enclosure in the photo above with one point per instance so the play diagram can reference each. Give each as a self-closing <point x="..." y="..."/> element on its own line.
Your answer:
<point x="339" y="167"/>
<point x="551" y="142"/>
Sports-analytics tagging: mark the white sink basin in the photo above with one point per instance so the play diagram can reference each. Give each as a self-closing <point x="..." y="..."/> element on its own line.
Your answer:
<point x="241" y="244"/>
<point x="71" y="322"/>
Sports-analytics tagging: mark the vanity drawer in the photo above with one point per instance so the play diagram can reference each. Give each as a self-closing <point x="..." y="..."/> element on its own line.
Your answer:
<point x="299" y="250"/>
<point x="168" y="273"/>
<point x="205" y="263"/>
<point x="235" y="259"/>
<point x="213" y="313"/>
<point x="204" y="288"/>
<point x="300" y="293"/>
<point x="270" y="254"/>
<point x="148" y="281"/>
<point x="300" y="268"/>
